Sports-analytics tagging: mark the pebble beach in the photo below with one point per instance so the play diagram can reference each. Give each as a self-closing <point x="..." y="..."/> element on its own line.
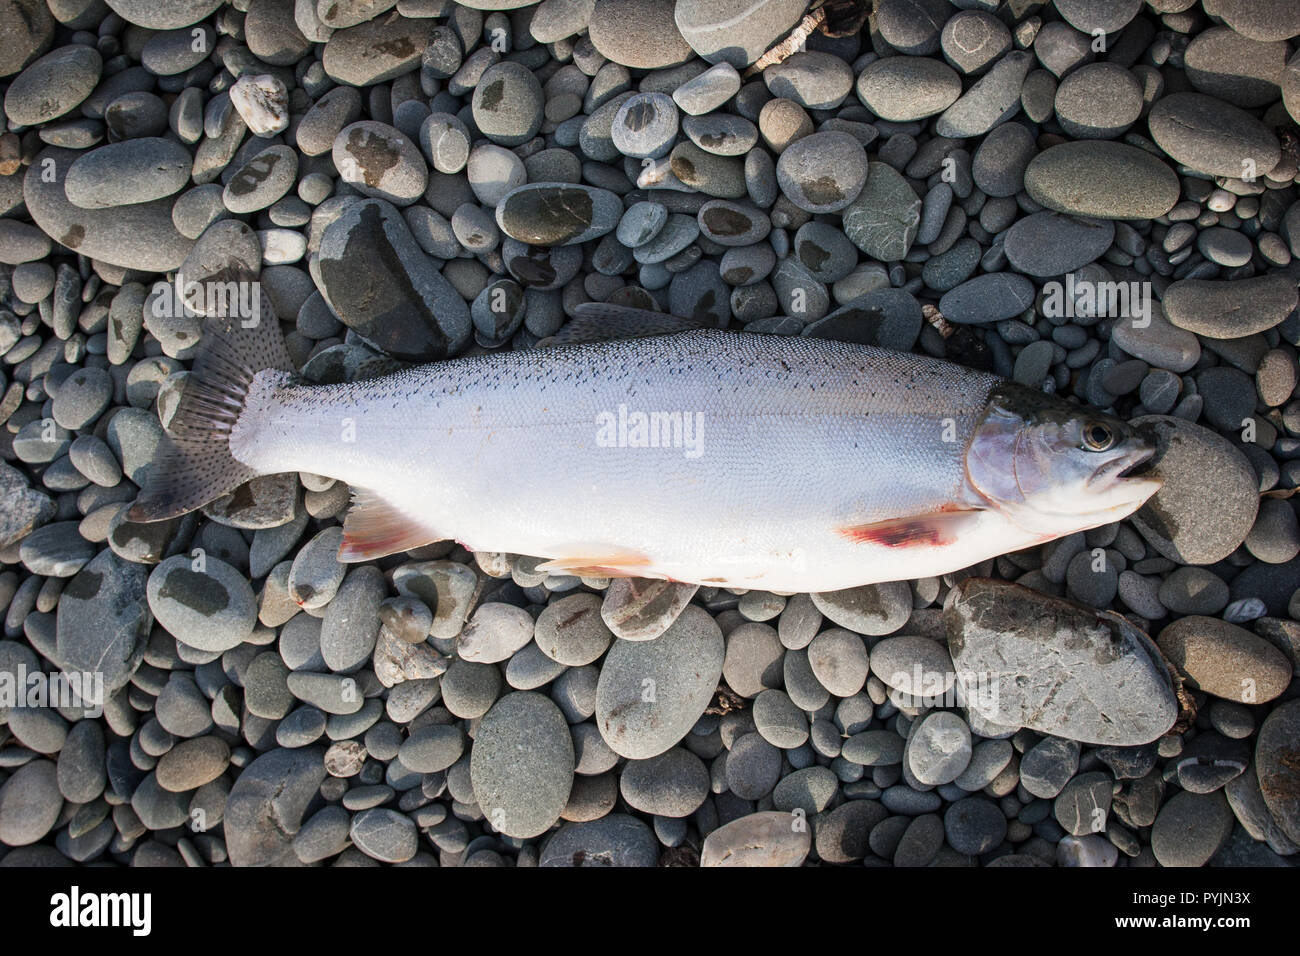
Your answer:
<point x="1093" y="198"/>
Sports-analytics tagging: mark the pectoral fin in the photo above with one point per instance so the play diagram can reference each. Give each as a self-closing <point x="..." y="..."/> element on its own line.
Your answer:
<point x="911" y="531"/>
<point x="374" y="528"/>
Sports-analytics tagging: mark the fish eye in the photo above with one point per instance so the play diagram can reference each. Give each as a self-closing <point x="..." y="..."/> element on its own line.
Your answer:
<point x="1097" y="437"/>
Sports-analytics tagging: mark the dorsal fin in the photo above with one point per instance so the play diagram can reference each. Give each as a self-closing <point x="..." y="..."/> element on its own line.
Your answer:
<point x="374" y="528"/>
<point x="600" y="322"/>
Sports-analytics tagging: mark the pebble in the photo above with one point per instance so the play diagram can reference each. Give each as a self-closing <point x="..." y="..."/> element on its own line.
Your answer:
<point x="557" y="214"/>
<point x="939" y="749"/>
<point x="262" y="101"/>
<point x="766" y="838"/>
<point x="1190" y="828"/>
<point x="1063" y="688"/>
<point x="906" y="88"/>
<point x="883" y="220"/>
<point x="30" y="803"/>
<point x="682" y="666"/>
<point x="212" y="609"/>
<point x="53" y="85"/>
<point x="813" y="79"/>
<point x="708" y="91"/>
<point x="1052" y="244"/>
<point x="735" y="31"/>
<point x="1225" y="660"/>
<point x="873" y="610"/>
<point x="134" y="171"/>
<point x="823" y="172"/>
<point x="495" y="633"/>
<point x="1212" y="136"/>
<point x="645" y="125"/>
<point x="1101" y="179"/>
<point x="1203" y="475"/>
<point x="521" y="765"/>
<point x="641" y="34"/>
<point x="673" y="784"/>
<point x="379" y="161"/>
<point x="507" y="104"/>
<point x="614" y="840"/>
<point x="1213" y="308"/>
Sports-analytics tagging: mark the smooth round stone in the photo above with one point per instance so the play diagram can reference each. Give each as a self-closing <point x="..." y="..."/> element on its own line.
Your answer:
<point x="839" y="660"/>
<point x="493" y="172"/>
<point x="972" y="40"/>
<point x="320" y="126"/>
<point x="557" y="214"/>
<point x="377" y="50"/>
<point x="640" y="34"/>
<point x="1190" y="828"/>
<point x="1048" y="766"/>
<point x="163" y="16"/>
<point x="261" y="181"/>
<point x="1052" y="244"/>
<point x="1102" y="179"/>
<point x="781" y="122"/>
<point x="381" y="162"/>
<point x="991" y="297"/>
<point x="494" y="633"/>
<point x="974" y="825"/>
<point x="673" y="784"/>
<point x="571" y="632"/>
<point x="138" y="236"/>
<point x="135" y="115"/>
<point x="813" y="79"/>
<point x="1220" y="309"/>
<point x="764" y="839"/>
<point x="884" y="218"/>
<point x="507" y="104"/>
<point x="753" y="661"/>
<point x="1275" y="537"/>
<point x="1225" y="660"/>
<point x="614" y="840"/>
<point x="1238" y="69"/>
<point x="1193" y="590"/>
<point x="134" y="171"/>
<point x="193" y="763"/>
<point x="28" y="28"/>
<point x="748" y="265"/>
<point x="1107" y="16"/>
<point x="445" y="141"/>
<point x="1210" y="496"/>
<point x="33" y="281"/>
<point x="1098" y="101"/>
<point x="521" y="765"/>
<point x="678" y="232"/>
<point x="913" y="665"/>
<point x="181" y="707"/>
<point x="825" y="251"/>
<point x="468" y="688"/>
<point x="30" y="803"/>
<point x="721" y="133"/>
<point x="998" y="166"/>
<point x="708" y="91"/>
<point x="873" y="609"/>
<point x="432" y="748"/>
<point x="1156" y="341"/>
<point x="645" y="126"/>
<point x="920" y="842"/>
<point x="81" y="398"/>
<point x="1260" y="19"/>
<point x="994" y="98"/>
<point x="988" y="759"/>
<point x="212" y="609"/>
<point x="911" y="26"/>
<point x="902" y="89"/>
<point x="1083" y="804"/>
<point x="385" y="835"/>
<point x="721" y="176"/>
<point x="1212" y="136"/>
<point x="55" y="550"/>
<point x="732" y="224"/>
<point x="641" y="223"/>
<point x="780" y="722"/>
<point x="1275" y="765"/>
<point x="736" y="31"/>
<point x="823" y="172"/>
<point x="810" y="789"/>
<point x="55" y="84"/>
<point x="682" y="666"/>
<point x="939" y="749"/>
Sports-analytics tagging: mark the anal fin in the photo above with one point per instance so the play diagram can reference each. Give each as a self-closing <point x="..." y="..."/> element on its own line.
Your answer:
<point x="598" y="563"/>
<point x="374" y="528"/>
<point x="933" y="530"/>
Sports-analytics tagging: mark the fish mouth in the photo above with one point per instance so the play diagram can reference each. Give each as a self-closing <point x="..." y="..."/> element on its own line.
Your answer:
<point x="1130" y="465"/>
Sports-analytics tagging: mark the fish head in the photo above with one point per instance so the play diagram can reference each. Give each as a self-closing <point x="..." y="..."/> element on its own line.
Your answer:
<point x="1053" y="467"/>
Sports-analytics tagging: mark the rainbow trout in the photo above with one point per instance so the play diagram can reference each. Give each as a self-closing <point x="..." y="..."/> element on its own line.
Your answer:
<point x="701" y="456"/>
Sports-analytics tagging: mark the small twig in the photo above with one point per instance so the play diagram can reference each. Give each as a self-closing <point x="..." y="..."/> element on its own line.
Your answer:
<point x="941" y="325"/>
<point x="789" y="46"/>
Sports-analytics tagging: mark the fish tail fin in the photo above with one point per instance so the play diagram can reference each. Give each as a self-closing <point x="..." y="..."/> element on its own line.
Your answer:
<point x="194" y="464"/>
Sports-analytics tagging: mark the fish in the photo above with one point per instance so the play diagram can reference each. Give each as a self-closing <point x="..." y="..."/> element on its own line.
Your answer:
<point x="638" y="444"/>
